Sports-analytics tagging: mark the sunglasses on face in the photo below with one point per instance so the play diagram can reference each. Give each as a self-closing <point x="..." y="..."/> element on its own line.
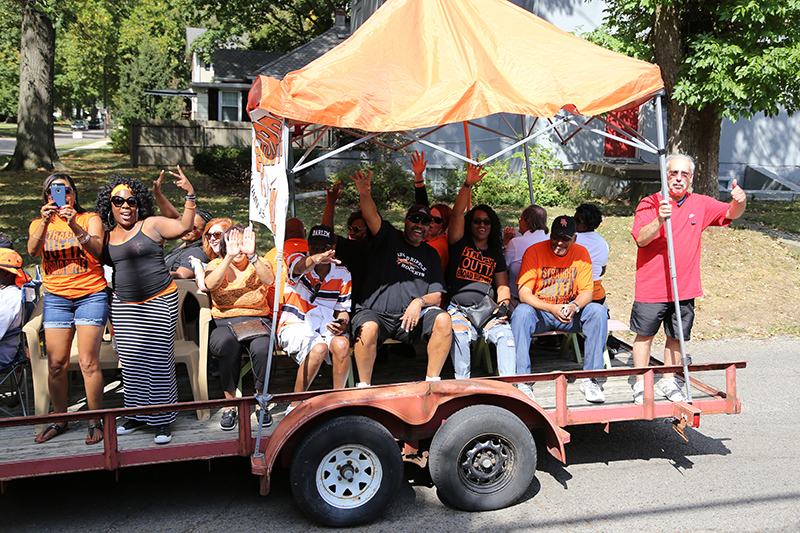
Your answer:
<point x="438" y="220"/>
<point x="117" y="201"/>
<point x="214" y="235"/>
<point x="315" y="292"/>
<point x="355" y="229"/>
<point x="416" y="219"/>
<point x="482" y="221"/>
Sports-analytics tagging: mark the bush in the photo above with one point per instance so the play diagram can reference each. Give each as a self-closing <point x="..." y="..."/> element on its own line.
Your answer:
<point x="120" y="138"/>
<point x="503" y="187"/>
<point x="392" y="185"/>
<point x="227" y="164"/>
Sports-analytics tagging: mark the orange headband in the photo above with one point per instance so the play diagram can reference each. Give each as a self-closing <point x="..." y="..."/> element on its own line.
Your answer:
<point x="120" y="187"/>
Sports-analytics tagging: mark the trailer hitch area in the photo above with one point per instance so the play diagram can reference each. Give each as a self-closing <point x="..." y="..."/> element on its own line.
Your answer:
<point x="678" y="424"/>
<point x="411" y="454"/>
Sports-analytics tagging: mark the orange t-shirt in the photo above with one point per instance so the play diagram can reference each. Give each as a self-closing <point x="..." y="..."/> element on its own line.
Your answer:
<point x="69" y="271"/>
<point x="556" y="279"/>
<point x="246" y="296"/>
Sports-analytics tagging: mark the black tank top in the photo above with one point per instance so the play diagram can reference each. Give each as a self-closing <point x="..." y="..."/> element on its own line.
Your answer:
<point x="139" y="269"/>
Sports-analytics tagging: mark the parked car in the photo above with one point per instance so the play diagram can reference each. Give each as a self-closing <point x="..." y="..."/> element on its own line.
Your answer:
<point x="96" y="124"/>
<point x="79" y="125"/>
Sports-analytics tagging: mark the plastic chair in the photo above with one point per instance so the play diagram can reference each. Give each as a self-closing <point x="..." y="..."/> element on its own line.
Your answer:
<point x="15" y="373"/>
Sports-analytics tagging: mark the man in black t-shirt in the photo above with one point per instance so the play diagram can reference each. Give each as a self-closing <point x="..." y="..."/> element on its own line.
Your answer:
<point x="403" y="291"/>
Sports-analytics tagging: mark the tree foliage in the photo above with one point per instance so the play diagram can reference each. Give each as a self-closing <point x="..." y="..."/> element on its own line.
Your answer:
<point x="10" y="24"/>
<point x="719" y="58"/>
<point x="270" y="25"/>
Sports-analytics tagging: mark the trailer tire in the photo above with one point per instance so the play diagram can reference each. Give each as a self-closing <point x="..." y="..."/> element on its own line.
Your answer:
<point x="498" y="439"/>
<point x="369" y="461"/>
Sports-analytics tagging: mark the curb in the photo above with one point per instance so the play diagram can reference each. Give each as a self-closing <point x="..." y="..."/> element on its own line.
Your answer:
<point x="790" y="240"/>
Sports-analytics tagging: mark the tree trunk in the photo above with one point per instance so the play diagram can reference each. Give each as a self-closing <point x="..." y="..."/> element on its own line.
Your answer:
<point x="690" y="131"/>
<point x="35" y="146"/>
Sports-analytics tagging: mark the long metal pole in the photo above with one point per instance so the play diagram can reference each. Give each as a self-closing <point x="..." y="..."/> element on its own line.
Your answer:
<point x="527" y="160"/>
<point x="662" y="161"/>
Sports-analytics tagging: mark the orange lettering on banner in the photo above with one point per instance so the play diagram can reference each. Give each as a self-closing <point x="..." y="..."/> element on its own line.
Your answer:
<point x="267" y="141"/>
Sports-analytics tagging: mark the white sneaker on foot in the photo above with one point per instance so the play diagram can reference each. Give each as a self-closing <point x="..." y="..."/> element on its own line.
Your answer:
<point x="525" y="389"/>
<point x="638" y="392"/>
<point x="593" y="391"/>
<point x="668" y="388"/>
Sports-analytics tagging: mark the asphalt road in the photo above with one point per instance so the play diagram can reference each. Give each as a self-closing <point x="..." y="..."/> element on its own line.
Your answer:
<point x="7" y="143"/>
<point x="737" y="473"/>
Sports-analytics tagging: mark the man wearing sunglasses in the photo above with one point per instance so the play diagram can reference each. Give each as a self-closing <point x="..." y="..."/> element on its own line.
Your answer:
<point x="653" y="302"/>
<point x="403" y="291"/>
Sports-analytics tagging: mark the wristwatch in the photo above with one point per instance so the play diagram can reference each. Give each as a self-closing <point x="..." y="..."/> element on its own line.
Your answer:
<point x="576" y="305"/>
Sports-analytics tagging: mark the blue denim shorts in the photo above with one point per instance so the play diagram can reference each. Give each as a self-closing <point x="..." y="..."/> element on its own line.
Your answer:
<point x="62" y="313"/>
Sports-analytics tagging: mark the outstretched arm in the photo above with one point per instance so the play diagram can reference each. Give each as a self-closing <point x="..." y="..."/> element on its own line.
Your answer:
<point x="330" y="203"/>
<point x="418" y="163"/>
<point x="164" y="205"/>
<point x="738" y="202"/>
<point x="368" y="208"/>
<point x="172" y="228"/>
<point x="248" y="248"/>
<point x="455" y="230"/>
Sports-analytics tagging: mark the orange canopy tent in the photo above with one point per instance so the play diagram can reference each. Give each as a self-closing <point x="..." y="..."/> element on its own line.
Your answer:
<point x="421" y="63"/>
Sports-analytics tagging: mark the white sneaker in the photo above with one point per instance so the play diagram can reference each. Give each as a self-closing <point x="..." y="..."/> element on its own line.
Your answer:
<point x="525" y="389"/>
<point x="593" y="391"/>
<point x="638" y="392"/>
<point x="667" y="388"/>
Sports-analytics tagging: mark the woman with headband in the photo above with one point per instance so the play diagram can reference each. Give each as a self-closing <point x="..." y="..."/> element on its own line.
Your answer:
<point x="70" y="240"/>
<point x="144" y="306"/>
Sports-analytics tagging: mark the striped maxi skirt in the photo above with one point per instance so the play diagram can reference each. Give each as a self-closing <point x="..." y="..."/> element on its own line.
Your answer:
<point x="145" y="337"/>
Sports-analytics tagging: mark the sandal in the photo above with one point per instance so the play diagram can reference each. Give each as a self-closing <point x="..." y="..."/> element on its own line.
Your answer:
<point x="52" y="427"/>
<point x="92" y="439"/>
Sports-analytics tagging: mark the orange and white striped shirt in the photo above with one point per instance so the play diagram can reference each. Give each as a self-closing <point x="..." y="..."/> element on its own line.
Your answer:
<point x="311" y="298"/>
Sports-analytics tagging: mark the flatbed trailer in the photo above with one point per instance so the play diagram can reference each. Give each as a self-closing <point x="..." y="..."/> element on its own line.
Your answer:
<point x="345" y="449"/>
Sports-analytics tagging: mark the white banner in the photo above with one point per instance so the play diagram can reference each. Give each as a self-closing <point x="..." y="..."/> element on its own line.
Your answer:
<point x="269" y="189"/>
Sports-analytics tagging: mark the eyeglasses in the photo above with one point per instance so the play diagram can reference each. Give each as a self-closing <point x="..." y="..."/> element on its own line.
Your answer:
<point x="482" y="221"/>
<point x="672" y="173"/>
<point x="214" y="235"/>
<point x="315" y="292"/>
<point x="438" y="220"/>
<point x="355" y="229"/>
<point x="416" y="219"/>
<point x="119" y="200"/>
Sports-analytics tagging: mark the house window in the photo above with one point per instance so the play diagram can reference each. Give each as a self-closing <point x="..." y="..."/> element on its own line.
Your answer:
<point x="229" y="104"/>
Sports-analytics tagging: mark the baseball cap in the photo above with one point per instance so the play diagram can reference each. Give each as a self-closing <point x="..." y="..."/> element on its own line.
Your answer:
<point x="321" y="235"/>
<point x="11" y="261"/>
<point x="421" y="210"/>
<point x="5" y="242"/>
<point x="563" y="225"/>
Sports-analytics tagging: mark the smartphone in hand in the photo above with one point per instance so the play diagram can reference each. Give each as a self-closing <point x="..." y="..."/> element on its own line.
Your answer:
<point x="58" y="194"/>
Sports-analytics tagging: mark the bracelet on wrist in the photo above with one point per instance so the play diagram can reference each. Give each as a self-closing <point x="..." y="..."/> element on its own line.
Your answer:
<point x="467" y="186"/>
<point x="191" y="197"/>
<point x="252" y="259"/>
<point x="421" y="299"/>
<point x="84" y="238"/>
<point x="37" y="238"/>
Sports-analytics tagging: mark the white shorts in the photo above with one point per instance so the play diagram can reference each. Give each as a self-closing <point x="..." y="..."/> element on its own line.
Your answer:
<point x="298" y="339"/>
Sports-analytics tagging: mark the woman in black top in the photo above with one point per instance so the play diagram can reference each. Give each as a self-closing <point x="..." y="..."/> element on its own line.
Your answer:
<point x="144" y="308"/>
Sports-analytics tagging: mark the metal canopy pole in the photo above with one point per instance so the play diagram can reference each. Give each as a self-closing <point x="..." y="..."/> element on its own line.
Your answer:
<point x="662" y="162"/>
<point x="527" y="161"/>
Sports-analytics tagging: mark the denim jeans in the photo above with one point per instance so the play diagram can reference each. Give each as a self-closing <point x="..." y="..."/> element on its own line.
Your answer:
<point x="498" y="334"/>
<point x="592" y="321"/>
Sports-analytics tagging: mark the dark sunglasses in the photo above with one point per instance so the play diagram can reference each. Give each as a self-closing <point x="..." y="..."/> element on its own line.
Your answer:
<point x="416" y="219"/>
<point x="354" y="229"/>
<point x="119" y="200"/>
<point x="482" y="221"/>
<point x="438" y="220"/>
<point x="214" y="235"/>
<point x="315" y="292"/>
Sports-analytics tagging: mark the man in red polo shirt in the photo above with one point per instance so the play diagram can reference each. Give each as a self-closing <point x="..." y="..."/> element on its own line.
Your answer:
<point x="653" y="303"/>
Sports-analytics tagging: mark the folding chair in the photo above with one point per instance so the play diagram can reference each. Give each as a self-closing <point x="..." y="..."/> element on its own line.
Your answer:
<point x="15" y="372"/>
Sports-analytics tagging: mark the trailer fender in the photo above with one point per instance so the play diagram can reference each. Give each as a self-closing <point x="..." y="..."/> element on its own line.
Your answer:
<point x="409" y="411"/>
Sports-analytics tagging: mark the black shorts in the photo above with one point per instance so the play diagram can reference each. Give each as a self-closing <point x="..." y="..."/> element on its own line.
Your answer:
<point x="389" y="326"/>
<point x="646" y="318"/>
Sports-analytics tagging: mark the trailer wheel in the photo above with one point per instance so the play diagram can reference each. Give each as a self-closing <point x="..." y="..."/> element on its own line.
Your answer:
<point x="482" y="458"/>
<point x="346" y="471"/>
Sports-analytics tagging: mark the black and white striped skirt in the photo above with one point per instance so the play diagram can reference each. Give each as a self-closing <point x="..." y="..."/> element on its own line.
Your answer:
<point x="145" y="337"/>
